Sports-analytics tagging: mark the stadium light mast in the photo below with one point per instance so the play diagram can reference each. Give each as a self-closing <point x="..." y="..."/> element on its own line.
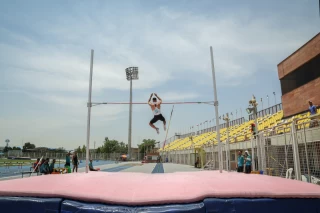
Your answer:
<point x="216" y="103"/>
<point x="253" y="105"/>
<point x="132" y="73"/>
<point x="7" y="142"/>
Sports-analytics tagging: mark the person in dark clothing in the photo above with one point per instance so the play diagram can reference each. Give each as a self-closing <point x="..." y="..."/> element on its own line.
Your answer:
<point x="196" y="164"/>
<point x="51" y="167"/>
<point x="240" y="162"/>
<point x="91" y="167"/>
<point x="75" y="161"/>
<point x="45" y="167"/>
<point x="247" y="162"/>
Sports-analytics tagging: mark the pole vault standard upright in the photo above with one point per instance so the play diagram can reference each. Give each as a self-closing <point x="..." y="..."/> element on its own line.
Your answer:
<point x="89" y="104"/>
<point x="216" y="103"/>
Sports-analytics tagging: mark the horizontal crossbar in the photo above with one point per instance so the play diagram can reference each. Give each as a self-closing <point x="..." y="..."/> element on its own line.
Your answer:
<point x="192" y="102"/>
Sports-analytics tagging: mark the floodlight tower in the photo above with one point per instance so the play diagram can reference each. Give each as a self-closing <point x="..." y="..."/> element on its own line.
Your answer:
<point x="253" y="105"/>
<point x="7" y="142"/>
<point x="132" y="74"/>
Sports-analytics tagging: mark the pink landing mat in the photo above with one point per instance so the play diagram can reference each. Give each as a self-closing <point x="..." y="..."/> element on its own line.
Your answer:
<point x="143" y="189"/>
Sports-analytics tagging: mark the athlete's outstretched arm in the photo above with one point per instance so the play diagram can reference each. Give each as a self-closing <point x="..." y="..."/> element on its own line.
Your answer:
<point x="158" y="97"/>
<point x="150" y="98"/>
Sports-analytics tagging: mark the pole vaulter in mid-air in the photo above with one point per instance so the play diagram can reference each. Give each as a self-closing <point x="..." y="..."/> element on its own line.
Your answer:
<point x="155" y="107"/>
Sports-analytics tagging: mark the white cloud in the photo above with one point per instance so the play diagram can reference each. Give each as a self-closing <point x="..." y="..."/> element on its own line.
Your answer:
<point x="159" y="51"/>
<point x="53" y="64"/>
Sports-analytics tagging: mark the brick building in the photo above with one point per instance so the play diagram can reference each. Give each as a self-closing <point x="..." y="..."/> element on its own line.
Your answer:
<point x="299" y="75"/>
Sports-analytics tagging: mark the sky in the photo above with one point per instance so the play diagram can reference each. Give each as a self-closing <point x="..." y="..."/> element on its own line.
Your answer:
<point x="45" y="62"/>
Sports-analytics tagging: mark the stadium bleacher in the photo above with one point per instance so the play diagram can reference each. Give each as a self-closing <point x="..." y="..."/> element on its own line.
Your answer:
<point x="240" y="133"/>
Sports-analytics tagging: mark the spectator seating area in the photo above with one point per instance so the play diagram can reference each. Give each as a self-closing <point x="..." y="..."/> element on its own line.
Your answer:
<point x="242" y="132"/>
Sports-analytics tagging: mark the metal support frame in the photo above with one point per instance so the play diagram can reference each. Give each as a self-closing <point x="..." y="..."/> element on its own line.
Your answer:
<point x="227" y="148"/>
<point x="216" y="103"/>
<point x="297" y="168"/>
<point x="89" y="105"/>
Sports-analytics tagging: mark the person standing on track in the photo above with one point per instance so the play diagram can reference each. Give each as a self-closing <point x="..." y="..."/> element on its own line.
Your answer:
<point x="75" y="161"/>
<point x="240" y="162"/>
<point x="155" y="107"/>
<point x="247" y="162"/>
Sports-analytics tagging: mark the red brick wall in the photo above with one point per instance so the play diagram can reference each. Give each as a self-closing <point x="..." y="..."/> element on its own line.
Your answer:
<point x="300" y="57"/>
<point x="296" y="101"/>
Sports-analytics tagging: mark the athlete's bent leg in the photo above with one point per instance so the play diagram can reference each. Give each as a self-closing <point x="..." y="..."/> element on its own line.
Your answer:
<point x="153" y="126"/>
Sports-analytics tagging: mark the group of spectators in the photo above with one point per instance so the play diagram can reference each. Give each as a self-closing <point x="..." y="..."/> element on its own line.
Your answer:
<point x="75" y="162"/>
<point x="44" y="166"/>
<point x="244" y="162"/>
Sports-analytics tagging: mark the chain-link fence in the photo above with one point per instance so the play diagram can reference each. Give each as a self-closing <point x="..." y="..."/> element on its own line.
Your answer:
<point x="288" y="150"/>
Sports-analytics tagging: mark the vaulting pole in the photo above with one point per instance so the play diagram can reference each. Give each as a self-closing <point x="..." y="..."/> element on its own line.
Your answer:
<point x="216" y="111"/>
<point x="89" y="105"/>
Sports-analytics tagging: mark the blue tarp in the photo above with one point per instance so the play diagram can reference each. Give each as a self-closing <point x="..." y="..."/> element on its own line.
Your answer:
<point x="69" y="206"/>
<point x="262" y="205"/>
<point x="29" y="205"/>
<point x="235" y="205"/>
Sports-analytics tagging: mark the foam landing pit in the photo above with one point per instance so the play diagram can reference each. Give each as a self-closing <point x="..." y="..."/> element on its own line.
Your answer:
<point x="144" y="189"/>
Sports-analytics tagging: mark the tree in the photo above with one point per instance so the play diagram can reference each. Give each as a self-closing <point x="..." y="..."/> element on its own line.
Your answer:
<point x="16" y="148"/>
<point x="6" y="149"/>
<point x="61" y="150"/>
<point x="110" y="146"/>
<point x="147" y="145"/>
<point x="28" y="145"/>
<point x="79" y="150"/>
<point x="83" y="150"/>
<point x="123" y="148"/>
<point x="99" y="150"/>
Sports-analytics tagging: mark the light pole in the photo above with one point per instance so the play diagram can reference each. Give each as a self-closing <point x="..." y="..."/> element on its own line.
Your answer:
<point x="132" y="74"/>
<point x="268" y="101"/>
<point x="7" y="142"/>
<point x="253" y="109"/>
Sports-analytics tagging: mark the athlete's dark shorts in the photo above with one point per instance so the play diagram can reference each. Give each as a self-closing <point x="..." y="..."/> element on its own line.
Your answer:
<point x="157" y="118"/>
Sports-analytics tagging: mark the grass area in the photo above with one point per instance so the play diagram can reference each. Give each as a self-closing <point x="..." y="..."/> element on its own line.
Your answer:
<point x="4" y="162"/>
<point x="15" y="161"/>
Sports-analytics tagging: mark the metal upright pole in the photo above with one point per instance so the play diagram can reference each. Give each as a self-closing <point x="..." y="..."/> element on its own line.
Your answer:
<point x="130" y="120"/>
<point x="89" y="105"/>
<point x="257" y="138"/>
<point x="216" y="103"/>
<point x="228" y="146"/>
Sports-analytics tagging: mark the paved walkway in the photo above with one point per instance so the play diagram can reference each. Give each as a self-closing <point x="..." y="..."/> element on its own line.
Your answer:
<point x="132" y="167"/>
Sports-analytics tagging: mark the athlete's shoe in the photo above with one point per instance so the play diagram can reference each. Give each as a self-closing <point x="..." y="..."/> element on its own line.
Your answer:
<point x="164" y="127"/>
<point x="157" y="130"/>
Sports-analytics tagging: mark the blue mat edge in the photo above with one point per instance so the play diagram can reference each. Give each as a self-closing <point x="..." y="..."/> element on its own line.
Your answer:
<point x="219" y="204"/>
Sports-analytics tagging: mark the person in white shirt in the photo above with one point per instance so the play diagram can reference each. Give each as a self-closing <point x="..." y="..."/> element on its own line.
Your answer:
<point x="155" y="107"/>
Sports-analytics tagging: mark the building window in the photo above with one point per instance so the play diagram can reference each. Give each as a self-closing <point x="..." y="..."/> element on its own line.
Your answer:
<point x="301" y="76"/>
